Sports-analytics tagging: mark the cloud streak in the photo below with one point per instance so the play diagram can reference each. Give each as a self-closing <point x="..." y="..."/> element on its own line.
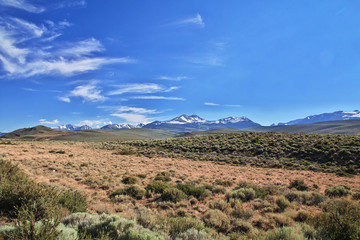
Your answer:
<point x="22" y="4"/>
<point x="224" y="105"/>
<point x="159" y="98"/>
<point x="21" y="56"/>
<point x="142" y="88"/>
<point x="44" y="121"/>
<point x="196" y="20"/>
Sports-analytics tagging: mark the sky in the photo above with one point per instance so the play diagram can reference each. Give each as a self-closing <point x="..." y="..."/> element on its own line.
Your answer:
<point x="98" y="62"/>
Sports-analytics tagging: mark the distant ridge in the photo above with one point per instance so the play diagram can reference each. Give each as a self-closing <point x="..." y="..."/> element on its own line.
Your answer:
<point x="40" y="129"/>
<point x="324" y="117"/>
<point x="187" y="123"/>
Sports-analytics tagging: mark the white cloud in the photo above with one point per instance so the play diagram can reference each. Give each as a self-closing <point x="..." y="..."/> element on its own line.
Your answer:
<point x="178" y="78"/>
<point x="144" y="88"/>
<point x="212" y="55"/>
<point x="21" y="4"/>
<point x="216" y="104"/>
<point x="136" y="110"/>
<point x="211" y="104"/>
<point x="64" y="99"/>
<point x="44" y="121"/>
<point x="30" y="89"/>
<point x="90" y="123"/>
<point x="89" y="93"/>
<point x="83" y="48"/>
<point x="132" y="117"/>
<point x="22" y="56"/>
<point x="158" y="98"/>
<point x="194" y="20"/>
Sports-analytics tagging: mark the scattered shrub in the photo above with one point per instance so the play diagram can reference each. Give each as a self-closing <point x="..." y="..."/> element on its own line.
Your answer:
<point x="337" y="191"/>
<point x="191" y="190"/>
<point x="221" y="205"/>
<point x="216" y="219"/>
<point x="157" y="186"/>
<point x="134" y="191"/>
<point x="299" y="185"/>
<point x="243" y="194"/>
<point x="340" y="219"/>
<point x="173" y="195"/>
<point x="179" y="225"/>
<point x="284" y="233"/>
<point x="356" y="195"/>
<point x="218" y="189"/>
<point x="282" y="203"/>
<point x="194" y="234"/>
<point x="225" y="183"/>
<point x="130" y="180"/>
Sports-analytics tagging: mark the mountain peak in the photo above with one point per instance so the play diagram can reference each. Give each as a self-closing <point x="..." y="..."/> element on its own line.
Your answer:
<point x="188" y="119"/>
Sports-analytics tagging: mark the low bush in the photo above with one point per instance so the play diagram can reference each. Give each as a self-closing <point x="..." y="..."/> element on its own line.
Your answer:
<point x="178" y="225"/>
<point x="299" y="185"/>
<point x="214" y="218"/>
<point x="282" y="203"/>
<point x="133" y="191"/>
<point x="340" y="219"/>
<point x="191" y="190"/>
<point x="130" y="180"/>
<point x="243" y="194"/>
<point x="173" y="195"/>
<point x="337" y="191"/>
<point x="157" y="186"/>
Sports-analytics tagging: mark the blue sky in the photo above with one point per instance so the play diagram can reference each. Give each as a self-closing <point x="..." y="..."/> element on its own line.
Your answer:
<point x="96" y="62"/>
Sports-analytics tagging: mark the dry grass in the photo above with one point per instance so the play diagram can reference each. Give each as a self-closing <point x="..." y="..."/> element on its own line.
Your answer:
<point x="97" y="172"/>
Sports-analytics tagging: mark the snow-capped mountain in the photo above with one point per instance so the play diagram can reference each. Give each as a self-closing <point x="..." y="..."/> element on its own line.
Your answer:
<point x="194" y="123"/>
<point x="121" y="126"/>
<point x="335" y="116"/>
<point x="70" y="127"/>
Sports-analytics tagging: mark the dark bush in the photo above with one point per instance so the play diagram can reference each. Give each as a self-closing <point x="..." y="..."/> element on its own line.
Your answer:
<point x="337" y="191"/>
<point x="130" y="180"/>
<point x="191" y="190"/>
<point x="340" y="220"/>
<point x="157" y="186"/>
<point x="173" y="195"/>
<point x="298" y="184"/>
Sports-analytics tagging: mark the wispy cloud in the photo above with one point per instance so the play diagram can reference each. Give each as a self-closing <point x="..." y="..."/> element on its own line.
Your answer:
<point x="158" y="98"/>
<point x="30" y="89"/>
<point x="64" y="99"/>
<point x="22" y="56"/>
<point x="212" y="55"/>
<point x="142" y="88"/>
<point x="196" y="20"/>
<point x="178" y="78"/>
<point x="225" y="105"/>
<point x="211" y="104"/>
<point x="89" y="93"/>
<point x="132" y="117"/>
<point x="44" y="121"/>
<point x="22" y="4"/>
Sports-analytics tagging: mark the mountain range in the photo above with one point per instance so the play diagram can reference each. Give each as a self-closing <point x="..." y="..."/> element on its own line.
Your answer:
<point x="324" y="117"/>
<point x="187" y="123"/>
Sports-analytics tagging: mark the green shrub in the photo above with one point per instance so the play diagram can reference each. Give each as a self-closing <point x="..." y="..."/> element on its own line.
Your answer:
<point x="340" y="219"/>
<point x="93" y="226"/>
<point x="157" y="186"/>
<point x="337" y="191"/>
<point x="216" y="219"/>
<point x="356" y="195"/>
<point x="173" y="195"/>
<point x="178" y="225"/>
<point x="221" y="205"/>
<point x="298" y="196"/>
<point x="73" y="200"/>
<point x="191" y="190"/>
<point x="218" y="189"/>
<point x="225" y="183"/>
<point x="299" y="185"/>
<point x="130" y="180"/>
<point x="194" y="234"/>
<point x="243" y="194"/>
<point x="133" y="191"/>
<point x="316" y="199"/>
<point x="282" y="203"/>
<point x="284" y="233"/>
